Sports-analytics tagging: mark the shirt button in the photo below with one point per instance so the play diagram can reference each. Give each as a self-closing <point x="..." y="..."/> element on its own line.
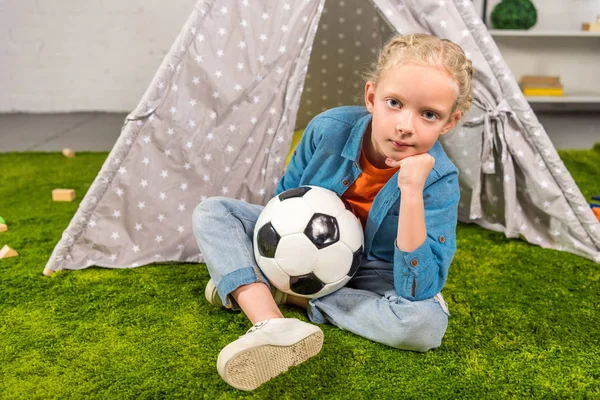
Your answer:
<point x="414" y="262"/>
<point x="442" y="239"/>
<point x="345" y="182"/>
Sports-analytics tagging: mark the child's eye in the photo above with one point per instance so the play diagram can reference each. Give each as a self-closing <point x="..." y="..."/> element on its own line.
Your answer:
<point x="430" y="115"/>
<point x="393" y="103"/>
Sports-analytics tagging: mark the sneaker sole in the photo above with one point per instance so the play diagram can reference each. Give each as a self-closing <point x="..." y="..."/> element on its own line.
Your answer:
<point x="249" y="369"/>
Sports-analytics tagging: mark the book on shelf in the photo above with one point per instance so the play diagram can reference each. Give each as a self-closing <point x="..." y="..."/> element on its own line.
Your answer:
<point x="542" y="91"/>
<point x="540" y="85"/>
<point x="539" y="80"/>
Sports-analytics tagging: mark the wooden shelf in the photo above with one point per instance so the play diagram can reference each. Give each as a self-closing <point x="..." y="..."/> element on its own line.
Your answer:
<point x="567" y="98"/>
<point x="536" y="33"/>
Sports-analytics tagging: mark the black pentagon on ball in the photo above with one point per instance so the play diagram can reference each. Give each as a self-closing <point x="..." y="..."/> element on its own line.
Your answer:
<point x="322" y="230"/>
<point x="267" y="240"/>
<point x="355" y="261"/>
<point x="295" y="192"/>
<point x="306" y="284"/>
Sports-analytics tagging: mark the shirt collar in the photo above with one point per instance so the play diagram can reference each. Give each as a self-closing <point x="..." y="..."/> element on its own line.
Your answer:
<point x="354" y="143"/>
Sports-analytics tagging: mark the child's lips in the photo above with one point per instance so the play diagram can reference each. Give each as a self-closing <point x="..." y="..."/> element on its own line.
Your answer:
<point x="401" y="145"/>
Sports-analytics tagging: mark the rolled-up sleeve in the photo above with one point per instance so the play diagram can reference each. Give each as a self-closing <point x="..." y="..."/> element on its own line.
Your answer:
<point x="422" y="273"/>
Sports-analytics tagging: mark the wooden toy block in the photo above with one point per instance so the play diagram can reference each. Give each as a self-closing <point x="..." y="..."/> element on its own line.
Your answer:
<point x="3" y="227"/>
<point x="7" y="252"/>
<point x="63" y="195"/>
<point x="591" y="27"/>
<point x="68" y="153"/>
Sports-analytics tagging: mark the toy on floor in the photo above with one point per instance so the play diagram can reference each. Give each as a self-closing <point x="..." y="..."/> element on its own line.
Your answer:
<point x="68" y="153"/>
<point x="3" y="226"/>
<point x="7" y="252"/>
<point x="63" y="194"/>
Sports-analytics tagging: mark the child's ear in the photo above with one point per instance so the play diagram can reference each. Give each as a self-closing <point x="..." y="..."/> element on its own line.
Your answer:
<point x="454" y="118"/>
<point x="370" y="96"/>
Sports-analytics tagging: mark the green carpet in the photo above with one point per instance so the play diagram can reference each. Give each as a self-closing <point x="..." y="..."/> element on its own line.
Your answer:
<point x="525" y="321"/>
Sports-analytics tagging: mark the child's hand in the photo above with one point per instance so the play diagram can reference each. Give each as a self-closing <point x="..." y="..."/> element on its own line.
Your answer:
<point x="413" y="172"/>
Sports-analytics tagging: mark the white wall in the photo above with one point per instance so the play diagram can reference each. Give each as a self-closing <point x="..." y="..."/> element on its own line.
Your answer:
<point x="75" y="55"/>
<point x="72" y="55"/>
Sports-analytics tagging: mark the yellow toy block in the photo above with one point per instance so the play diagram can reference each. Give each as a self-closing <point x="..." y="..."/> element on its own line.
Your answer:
<point x="68" y="153"/>
<point x="593" y="27"/>
<point x="7" y="252"/>
<point x="63" y="194"/>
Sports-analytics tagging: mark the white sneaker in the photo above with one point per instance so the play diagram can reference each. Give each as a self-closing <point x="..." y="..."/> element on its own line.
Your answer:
<point x="269" y="348"/>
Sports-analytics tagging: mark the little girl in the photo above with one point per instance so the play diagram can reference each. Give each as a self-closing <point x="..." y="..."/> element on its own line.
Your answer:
<point x="386" y="161"/>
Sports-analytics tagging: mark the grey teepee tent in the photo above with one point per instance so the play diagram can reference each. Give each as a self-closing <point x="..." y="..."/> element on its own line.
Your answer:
<point x="219" y="115"/>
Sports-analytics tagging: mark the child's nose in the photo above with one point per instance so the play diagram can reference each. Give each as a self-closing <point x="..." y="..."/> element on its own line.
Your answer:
<point x="405" y="122"/>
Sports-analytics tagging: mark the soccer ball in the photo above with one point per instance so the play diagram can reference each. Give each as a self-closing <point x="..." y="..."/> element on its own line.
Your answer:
<point x="307" y="242"/>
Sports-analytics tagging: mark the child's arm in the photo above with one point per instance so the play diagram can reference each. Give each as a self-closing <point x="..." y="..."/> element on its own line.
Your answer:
<point x="426" y="240"/>
<point x="300" y="159"/>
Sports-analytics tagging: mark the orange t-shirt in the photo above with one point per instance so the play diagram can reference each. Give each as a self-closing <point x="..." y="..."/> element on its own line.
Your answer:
<point x="363" y="191"/>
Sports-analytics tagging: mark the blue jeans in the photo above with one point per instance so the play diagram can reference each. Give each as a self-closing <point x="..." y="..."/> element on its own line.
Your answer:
<point x="367" y="306"/>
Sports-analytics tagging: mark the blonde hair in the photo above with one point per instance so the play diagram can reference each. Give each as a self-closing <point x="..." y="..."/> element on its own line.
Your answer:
<point x="429" y="50"/>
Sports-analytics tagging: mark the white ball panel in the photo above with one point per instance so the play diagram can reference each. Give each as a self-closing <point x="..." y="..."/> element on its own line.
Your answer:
<point x="296" y="255"/>
<point x="324" y="201"/>
<point x="333" y="262"/>
<point x="291" y="216"/>
<point x="351" y="231"/>
<point x="274" y="274"/>
<point x="266" y="214"/>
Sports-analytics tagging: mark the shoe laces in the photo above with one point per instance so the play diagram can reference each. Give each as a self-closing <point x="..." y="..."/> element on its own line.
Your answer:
<point x="257" y="326"/>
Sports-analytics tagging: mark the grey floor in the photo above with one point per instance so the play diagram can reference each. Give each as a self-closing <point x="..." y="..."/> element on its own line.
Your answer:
<point x="99" y="131"/>
<point x="54" y="132"/>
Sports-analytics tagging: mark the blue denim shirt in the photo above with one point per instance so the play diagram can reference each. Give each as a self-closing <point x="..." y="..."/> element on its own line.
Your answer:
<point x="328" y="156"/>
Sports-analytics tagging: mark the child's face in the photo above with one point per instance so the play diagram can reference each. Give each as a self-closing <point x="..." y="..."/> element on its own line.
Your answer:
<point x="411" y="107"/>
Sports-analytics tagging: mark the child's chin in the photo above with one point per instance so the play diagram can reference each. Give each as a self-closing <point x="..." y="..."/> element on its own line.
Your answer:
<point x="398" y="156"/>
